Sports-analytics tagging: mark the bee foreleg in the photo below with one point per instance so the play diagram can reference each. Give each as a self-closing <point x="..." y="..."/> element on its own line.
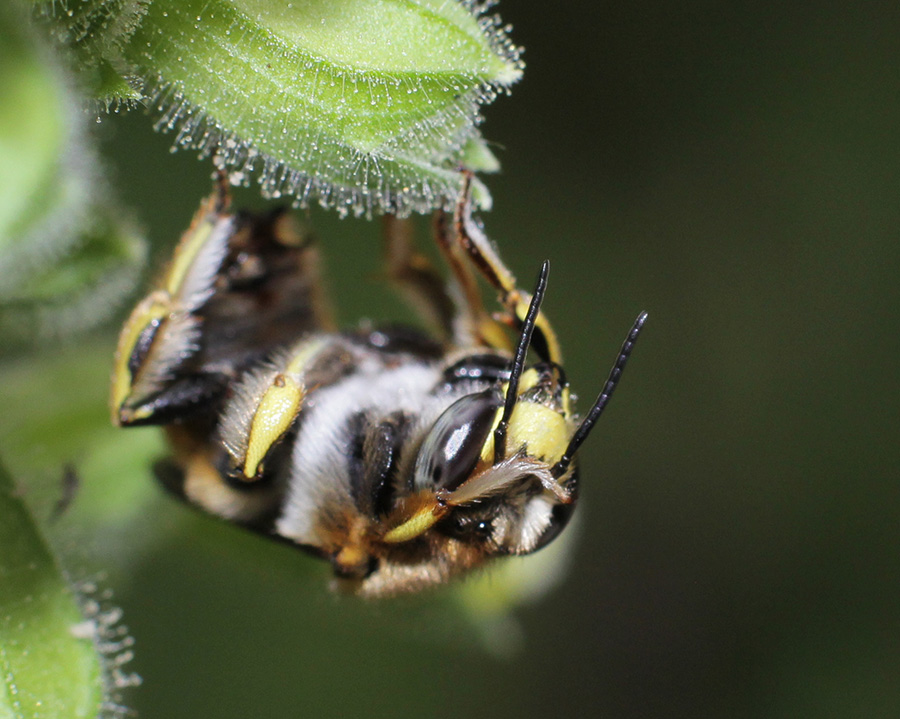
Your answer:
<point x="481" y="252"/>
<point x="474" y="325"/>
<point x="180" y="397"/>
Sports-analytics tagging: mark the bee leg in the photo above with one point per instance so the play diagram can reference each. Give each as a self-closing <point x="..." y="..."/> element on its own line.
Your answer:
<point x="193" y="475"/>
<point x="481" y="253"/>
<point x="416" y="278"/>
<point x="295" y="253"/>
<point x="179" y="398"/>
<point x="474" y="325"/>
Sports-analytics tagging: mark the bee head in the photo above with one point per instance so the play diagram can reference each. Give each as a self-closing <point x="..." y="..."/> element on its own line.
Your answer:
<point x="497" y="468"/>
<point x="481" y="477"/>
<point x="484" y="472"/>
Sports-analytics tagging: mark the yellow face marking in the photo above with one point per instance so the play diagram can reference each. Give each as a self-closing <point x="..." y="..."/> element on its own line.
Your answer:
<point x="152" y="308"/>
<point x="274" y="415"/>
<point x="530" y="378"/>
<point x="487" y="451"/>
<point x="542" y="431"/>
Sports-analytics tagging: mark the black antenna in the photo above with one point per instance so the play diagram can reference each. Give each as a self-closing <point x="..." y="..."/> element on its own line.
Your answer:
<point x="518" y="364"/>
<point x="559" y="469"/>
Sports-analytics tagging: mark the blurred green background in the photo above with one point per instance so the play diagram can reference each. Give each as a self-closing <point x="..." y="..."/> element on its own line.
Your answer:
<point x="734" y="170"/>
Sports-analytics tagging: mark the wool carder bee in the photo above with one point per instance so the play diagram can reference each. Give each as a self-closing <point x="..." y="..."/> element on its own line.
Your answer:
<point x="402" y="458"/>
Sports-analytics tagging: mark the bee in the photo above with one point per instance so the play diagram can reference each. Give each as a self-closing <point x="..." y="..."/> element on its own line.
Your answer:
<point x="401" y="457"/>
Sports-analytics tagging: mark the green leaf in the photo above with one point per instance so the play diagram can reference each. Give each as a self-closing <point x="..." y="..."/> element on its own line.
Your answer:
<point x="45" y="669"/>
<point x="365" y="105"/>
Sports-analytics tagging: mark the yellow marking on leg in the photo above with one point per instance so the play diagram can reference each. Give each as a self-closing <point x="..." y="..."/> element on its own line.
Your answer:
<point x="304" y="356"/>
<point x="154" y="307"/>
<point x="274" y="415"/>
<point x="418" y="524"/>
<point x="185" y="254"/>
<point x="417" y="515"/>
<point x="192" y="241"/>
<point x="554" y="350"/>
<point x="278" y="408"/>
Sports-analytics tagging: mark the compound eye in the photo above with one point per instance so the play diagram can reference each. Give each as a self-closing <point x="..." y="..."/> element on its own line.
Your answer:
<point x="453" y="446"/>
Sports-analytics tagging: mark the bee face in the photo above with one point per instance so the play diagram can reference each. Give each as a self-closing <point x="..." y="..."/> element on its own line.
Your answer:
<point x="402" y="460"/>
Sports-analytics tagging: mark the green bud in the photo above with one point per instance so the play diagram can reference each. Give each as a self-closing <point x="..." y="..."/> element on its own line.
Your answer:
<point x="66" y="255"/>
<point x="363" y="105"/>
